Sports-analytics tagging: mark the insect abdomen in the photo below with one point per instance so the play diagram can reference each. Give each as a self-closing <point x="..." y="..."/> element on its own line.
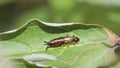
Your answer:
<point x="56" y="42"/>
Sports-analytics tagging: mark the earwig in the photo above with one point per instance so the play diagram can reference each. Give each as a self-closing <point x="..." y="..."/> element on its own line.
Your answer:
<point x="58" y="42"/>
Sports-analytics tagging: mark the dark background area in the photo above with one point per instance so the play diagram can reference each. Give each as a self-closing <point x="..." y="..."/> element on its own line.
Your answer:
<point x="14" y="13"/>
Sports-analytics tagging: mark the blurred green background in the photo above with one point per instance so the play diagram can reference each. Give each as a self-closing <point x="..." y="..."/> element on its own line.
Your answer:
<point x="14" y="13"/>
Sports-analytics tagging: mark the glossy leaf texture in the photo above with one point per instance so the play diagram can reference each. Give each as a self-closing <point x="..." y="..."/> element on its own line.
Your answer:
<point x="92" y="51"/>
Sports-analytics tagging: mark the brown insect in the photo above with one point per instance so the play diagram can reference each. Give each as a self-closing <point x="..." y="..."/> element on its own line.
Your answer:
<point x="57" y="42"/>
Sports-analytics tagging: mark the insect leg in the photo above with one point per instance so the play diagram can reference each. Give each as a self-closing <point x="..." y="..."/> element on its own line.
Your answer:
<point x="68" y="45"/>
<point x="46" y="49"/>
<point x="67" y="36"/>
<point x="63" y="45"/>
<point x="74" y="43"/>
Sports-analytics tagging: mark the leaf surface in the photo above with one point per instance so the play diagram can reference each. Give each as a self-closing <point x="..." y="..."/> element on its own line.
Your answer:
<point x="91" y="51"/>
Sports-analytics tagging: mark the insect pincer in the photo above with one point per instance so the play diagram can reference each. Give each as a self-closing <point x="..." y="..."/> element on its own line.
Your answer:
<point x="46" y="43"/>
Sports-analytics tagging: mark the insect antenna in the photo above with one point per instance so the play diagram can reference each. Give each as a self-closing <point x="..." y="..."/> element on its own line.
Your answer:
<point x="73" y="36"/>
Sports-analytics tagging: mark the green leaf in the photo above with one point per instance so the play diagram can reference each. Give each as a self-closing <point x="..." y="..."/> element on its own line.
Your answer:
<point x="38" y="59"/>
<point x="5" y="2"/>
<point x="91" y="51"/>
